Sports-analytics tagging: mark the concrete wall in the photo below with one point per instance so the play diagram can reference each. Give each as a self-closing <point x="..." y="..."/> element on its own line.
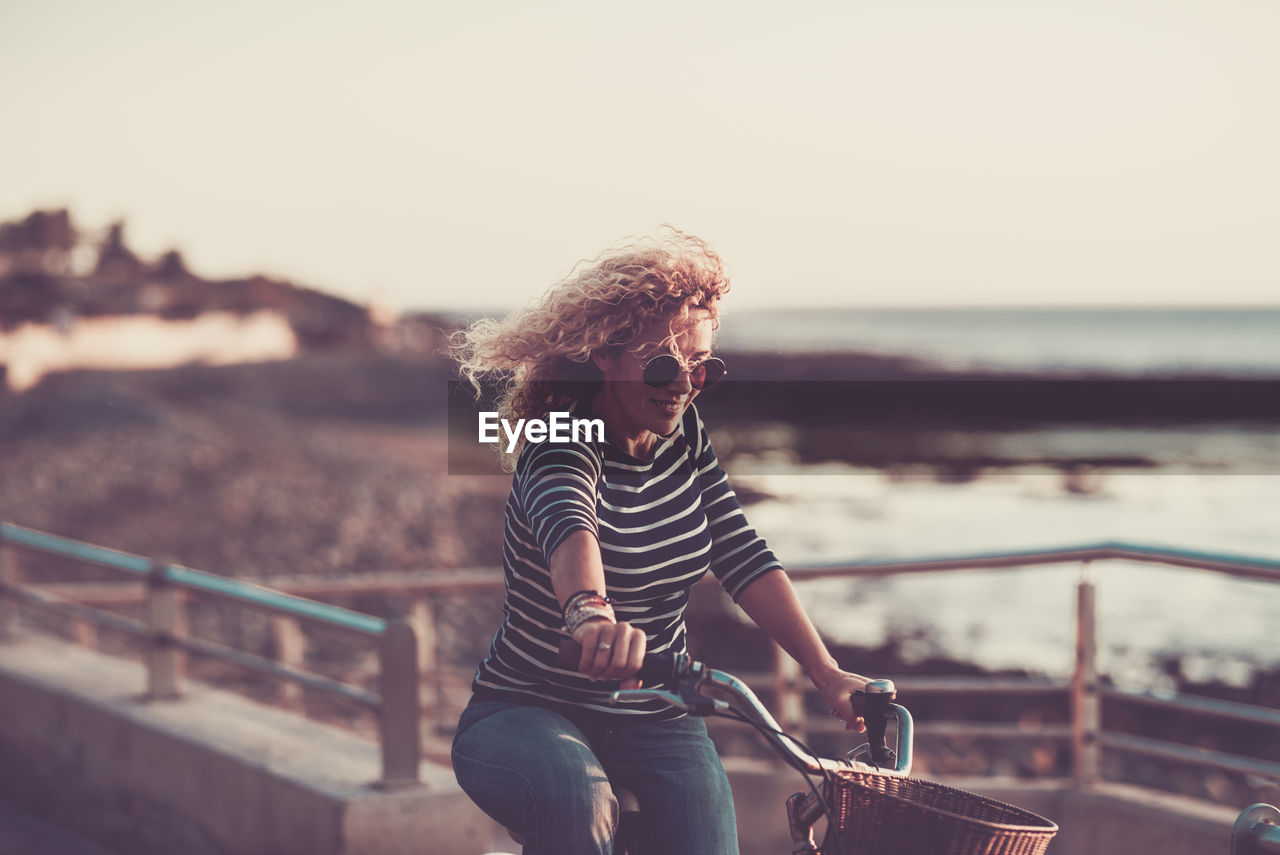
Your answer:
<point x="209" y="774"/>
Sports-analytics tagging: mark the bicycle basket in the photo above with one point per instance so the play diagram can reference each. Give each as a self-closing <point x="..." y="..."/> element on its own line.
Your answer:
<point x="887" y="815"/>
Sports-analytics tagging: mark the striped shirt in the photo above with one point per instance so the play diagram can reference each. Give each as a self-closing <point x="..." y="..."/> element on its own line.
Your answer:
<point x="660" y="527"/>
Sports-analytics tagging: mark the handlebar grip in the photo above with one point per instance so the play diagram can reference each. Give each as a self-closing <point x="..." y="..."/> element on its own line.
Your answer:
<point x="875" y="702"/>
<point x="657" y="667"/>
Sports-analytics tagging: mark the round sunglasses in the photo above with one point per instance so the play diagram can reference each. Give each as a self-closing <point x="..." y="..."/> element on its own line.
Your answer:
<point x="663" y="369"/>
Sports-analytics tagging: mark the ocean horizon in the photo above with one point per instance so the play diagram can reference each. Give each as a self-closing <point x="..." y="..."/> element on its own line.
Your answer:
<point x="1227" y="341"/>
<point x="1220" y="340"/>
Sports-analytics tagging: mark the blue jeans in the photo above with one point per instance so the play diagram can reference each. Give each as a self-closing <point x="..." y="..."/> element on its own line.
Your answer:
<point x="550" y="776"/>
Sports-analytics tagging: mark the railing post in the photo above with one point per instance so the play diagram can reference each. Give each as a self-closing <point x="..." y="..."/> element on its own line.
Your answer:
<point x="788" y="688"/>
<point x="422" y="616"/>
<point x="84" y="633"/>
<point x="163" y="656"/>
<point x="290" y="649"/>
<point x="1086" y="712"/>
<point x="9" y="578"/>
<point x="400" y="725"/>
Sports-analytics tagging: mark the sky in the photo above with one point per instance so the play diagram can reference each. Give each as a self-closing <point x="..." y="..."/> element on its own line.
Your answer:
<point x="434" y="155"/>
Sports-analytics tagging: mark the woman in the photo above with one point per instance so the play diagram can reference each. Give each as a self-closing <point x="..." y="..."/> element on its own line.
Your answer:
<point x="603" y="541"/>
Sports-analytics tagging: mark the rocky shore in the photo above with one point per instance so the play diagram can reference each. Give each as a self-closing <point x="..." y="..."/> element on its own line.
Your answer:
<point x="328" y="464"/>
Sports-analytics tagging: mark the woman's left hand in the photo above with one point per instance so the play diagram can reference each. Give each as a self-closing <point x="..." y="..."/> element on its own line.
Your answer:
<point x="837" y="688"/>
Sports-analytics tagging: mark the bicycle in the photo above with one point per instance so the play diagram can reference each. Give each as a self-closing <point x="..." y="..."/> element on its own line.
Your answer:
<point x="871" y="803"/>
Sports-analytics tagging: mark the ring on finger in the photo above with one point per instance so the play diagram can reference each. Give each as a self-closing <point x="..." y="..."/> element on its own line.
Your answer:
<point x="604" y="645"/>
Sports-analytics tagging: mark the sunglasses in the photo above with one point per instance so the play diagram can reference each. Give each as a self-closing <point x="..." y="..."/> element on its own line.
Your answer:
<point x="664" y="368"/>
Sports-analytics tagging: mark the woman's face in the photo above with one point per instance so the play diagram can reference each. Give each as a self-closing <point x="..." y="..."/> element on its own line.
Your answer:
<point x="633" y="411"/>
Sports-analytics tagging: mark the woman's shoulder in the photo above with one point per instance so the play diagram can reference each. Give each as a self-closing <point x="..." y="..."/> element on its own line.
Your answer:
<point x="575" y="453"/>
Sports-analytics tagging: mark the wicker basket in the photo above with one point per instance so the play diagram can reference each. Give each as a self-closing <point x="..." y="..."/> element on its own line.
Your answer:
<point x="887" y="815"/>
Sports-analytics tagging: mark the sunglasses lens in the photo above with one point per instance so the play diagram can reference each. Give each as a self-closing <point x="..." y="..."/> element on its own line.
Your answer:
<point x="661" y="370"/>
<point x="708" y="373"/>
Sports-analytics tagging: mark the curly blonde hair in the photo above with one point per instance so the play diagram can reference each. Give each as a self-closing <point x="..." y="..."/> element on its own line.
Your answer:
<point x="540" y="356"/>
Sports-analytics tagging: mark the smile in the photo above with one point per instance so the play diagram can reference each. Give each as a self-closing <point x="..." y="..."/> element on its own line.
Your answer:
<point x="669" y="407"/>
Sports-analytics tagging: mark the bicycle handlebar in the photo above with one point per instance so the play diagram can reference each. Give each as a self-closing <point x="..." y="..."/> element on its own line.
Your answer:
<point x="689" y="678"/>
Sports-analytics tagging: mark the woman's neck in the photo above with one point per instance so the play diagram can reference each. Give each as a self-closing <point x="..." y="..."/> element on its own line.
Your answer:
<point x="638" y="444"/>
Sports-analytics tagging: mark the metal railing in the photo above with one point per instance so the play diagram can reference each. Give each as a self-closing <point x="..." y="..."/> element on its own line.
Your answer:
<point x="1084" y="690"/>
<point x="163" y="632"/>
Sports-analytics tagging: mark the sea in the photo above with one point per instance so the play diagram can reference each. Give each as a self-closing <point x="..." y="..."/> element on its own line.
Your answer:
<point x="1240" y="341"/>
<point x="1158" y="626"/>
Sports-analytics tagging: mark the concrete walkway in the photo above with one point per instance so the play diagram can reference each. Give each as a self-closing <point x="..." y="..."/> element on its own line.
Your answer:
<point x="21" y="834"/>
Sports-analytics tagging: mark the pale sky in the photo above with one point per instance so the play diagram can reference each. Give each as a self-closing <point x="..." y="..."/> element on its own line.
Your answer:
<point x="465" y="155"/>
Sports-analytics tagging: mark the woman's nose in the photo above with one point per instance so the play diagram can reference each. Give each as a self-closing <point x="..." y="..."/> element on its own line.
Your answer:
<point x="683" y="382"/>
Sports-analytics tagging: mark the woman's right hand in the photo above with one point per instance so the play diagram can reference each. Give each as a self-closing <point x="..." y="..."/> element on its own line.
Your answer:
<point x="611" y="651"/>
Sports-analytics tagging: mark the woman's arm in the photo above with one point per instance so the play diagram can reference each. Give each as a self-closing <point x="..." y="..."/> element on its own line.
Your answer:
<point x="771" y="602"/>
<point x="576" y="566"/>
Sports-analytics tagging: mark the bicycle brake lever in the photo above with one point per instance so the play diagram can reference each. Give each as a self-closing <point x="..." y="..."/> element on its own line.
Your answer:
<point x="696" y="705"/>
<point x="703" y="707"/>
<point x="647" y="695"/>
<point x="864" y="754"/>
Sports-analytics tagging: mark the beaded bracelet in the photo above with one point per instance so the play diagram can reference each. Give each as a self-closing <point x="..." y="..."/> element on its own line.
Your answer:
<point x="578" y="618"/>
<point x="584" y="598"/>
<point x="586" y="606"/>
<point x="588" y="592"/>
<point x="589" y="613"/>
<point x="592" y="604"/>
